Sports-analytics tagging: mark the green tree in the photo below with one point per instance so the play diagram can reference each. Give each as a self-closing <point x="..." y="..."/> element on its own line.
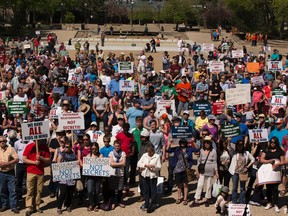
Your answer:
<point x="69" y="17"/>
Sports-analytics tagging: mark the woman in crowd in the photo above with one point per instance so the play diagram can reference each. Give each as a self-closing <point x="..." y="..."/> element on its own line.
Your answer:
<point x="275" y="156"/>
<point x="150" y="166"/>
<point x="112" y="120"/>
<point x="240" y="163"/>
<point x="215" y="91"/>
<point x="212" y="127"/>
<point x="148" y="118"/>
<point x="115" y="101"/>
<point x="165" y="127"/>
<point x="9" y="122"/>
<point x="223" y="161"/>
<point x="206" y="171"/>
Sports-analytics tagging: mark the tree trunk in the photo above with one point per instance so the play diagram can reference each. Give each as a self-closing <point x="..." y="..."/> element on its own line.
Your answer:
<point x="28" y="16"/>
<point x="51" y="18"/>
<point x="282" y="27"/>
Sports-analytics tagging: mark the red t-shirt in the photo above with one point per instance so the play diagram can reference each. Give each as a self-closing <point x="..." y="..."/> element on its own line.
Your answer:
<point x="30" y="153"/>
<point x="126" y="142"/>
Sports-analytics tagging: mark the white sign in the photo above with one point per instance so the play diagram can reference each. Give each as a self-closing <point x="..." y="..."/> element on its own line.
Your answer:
<point x="37" y="32"/>
<point x="239" y="95"/>
<point x="126" y="85"/>
<point x="71" y="121"/>
<point x="96" y="167"/>
<point x="2" y="95"/>
<point x="238" y="210"/>
<point x="125" y="67"/>
<point x="266" y="174"/>
<point x="35" y="130"/>
<point x="162" y="104"/>
<point x="207" y="47"/>
<point x="237" y="54"/>
<point x="216" y="66"/>
<point x="26" y="46"/>
<point x="54" y="112"/>
<point x="74" y="78"/>
<point x="257" y="81"/>
<point x="275" y="66"/>
<point x="279" y="100"/>
<point x="66" y="171"/>
<point x="258" y="135"/>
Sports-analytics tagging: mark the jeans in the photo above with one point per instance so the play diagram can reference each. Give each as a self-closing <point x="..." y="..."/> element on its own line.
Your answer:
<point x="104" y="119"/>
<point x="34" y="190"/>
<point x="65" y="195"/>
<point x="150" y="191"/>
<point x="224" y="176"/>
<point x="93" y="189"/>
<point x="8" y="189"/>
<point x="170" y="182"/>
<point x="21" y="175"/>
<point x="126" y="171"/>
<point x="235" y="180"/>
<point x="74" y="102"/>
<point x="181" y="105"/>
<point x="272" y="192"/>
<point x="133" y="167"/>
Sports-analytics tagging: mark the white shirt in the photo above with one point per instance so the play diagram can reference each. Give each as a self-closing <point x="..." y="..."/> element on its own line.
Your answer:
<point x="116" y="129"/>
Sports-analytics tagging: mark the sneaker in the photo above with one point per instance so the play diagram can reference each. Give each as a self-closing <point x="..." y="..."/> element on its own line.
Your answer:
<point x="268" y="206"/>
<point x="285" y="210"/>
<point x="143" y="207"/>
<point x="254" y="203"/>
<point x="277" y="210"/>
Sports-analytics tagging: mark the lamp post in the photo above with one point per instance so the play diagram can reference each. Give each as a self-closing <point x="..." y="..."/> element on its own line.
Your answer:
<point x="85" y="13"/>
<point x="62" y="8"/>
<point x="132" y="7"/>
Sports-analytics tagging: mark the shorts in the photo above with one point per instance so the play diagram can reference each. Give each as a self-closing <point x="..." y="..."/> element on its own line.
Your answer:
<point x="181" y="178"/>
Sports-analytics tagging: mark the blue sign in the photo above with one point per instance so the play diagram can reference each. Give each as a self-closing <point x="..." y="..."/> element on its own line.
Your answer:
<point x="182" y="132"/>
<point x="197" y="107"/>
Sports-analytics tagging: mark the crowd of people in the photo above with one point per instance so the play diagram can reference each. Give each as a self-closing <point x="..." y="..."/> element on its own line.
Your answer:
<point x="128" y="128"/>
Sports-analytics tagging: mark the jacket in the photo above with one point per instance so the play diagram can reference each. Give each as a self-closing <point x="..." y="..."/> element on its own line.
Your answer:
<point x="146" y="159"/>
<point x="248" y="157"/>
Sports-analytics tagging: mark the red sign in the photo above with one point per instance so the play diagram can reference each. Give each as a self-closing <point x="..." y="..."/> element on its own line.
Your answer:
<point x="217" y="107"/>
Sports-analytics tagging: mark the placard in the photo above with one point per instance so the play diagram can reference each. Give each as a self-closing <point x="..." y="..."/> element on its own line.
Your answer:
<point x="96" y="167"/>
<point x="266" y="174"/>
<point x="217" y="107"/>
<point x="207" y="47"/>
<point x="257" y="81"/>
<point x="197" y="107"/>
<point x="279" y="100"/>
<point x="238" y="210"/>
<point x="258" y="135"/>
<point x="126" y="85"/>
<point x="125" y="67"/>
<point x="253" y="67"/>
<point x="231" y="130"/>
<point x="74" y="78"/>
<point x="26" y="46"/>
<point x="239" y="95"/>
<point x="237" y="54"/>
<point x="54" y="112"/>
<point x="216" y="66"/>
<point x="37" y="32"/>
<point x="2" y="95"/>
<point x="278" y="91"/>
<point x="182" y="132"/>
<point x="17" y="107"/>
<point x="66" y="171"/>
<point x="35" y="130"/>
<point x="275" y="66"/>
<point x="71" y="121"/>
<point x="162" y="104"/>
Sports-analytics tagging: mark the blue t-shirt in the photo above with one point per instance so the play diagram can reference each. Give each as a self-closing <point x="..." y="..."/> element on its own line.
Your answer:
<point x="105" y="151"/>
<point x="131" y="114"/>
<point x="278" y="134"/>
<point x="243" y="132"/>
<point x="114" y="86"/>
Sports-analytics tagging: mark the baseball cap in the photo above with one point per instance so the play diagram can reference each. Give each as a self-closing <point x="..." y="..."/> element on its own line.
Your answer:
<point x="186" y="112"/>
<point x="120" y="116"/>
<point x="261" y="115"/>
<point x="93" y="123"/>
<point x="279" y="121"/>
<point x="210" y="117"/>
<point x="144" y="133"/>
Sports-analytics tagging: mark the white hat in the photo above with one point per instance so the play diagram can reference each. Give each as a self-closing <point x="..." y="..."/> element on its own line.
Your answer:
<point x="93" y="123"/>
<point x="186" y="112"/>
<point x="144" y="133"/>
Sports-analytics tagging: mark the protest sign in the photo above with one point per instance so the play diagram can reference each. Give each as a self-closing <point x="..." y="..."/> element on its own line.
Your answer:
<point x="237" y="54"/>
<point x="126" y="85"/>
<point x="54" y="112"/>
<point x="125" y="67"/>
<point x="198" y="106"/>
<point x="279" y="100"/>
<point x="96" y="167"/>
<point x="207" y="47"/>
<point x="182" y="132"/>
<point x="238" y="210"/>
<point x="258" y="135"/>
<point x="17" y="107"/>
<point x="257" y="81"/>
<point x="2" y="95"/>
<point x="37" y="32"/>
<point x="275" y="66"/>
<point x="216" y="66"/>
<point x="35" y="130"/>
<point x="162" y="104"/>
<point x="253" y="67"/>
<point x="239" y="95"/>
<point x="266" y="174"/>
<point x="278" y="91"/>
<point x="230" y="130"/>
<point x="74" y="78"/>
<point x="26" y="46"/>
<point x="217" y="107"/>
<point x="71" y="121"/>
<point x="66" y="171"/>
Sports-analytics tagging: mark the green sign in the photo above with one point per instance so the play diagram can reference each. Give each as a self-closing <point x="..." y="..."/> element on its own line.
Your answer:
<point x="230" y="130"/>
<point x="15" y="107"/>
<point x="125" y="67"/>
<point x="278" y="91"/>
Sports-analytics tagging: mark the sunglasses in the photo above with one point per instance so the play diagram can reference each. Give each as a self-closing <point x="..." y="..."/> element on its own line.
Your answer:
<point x="2" y="141"/>
<point x="61" y="141"/>
<point x="67" y="147"/>
<point x="85" y="139"/>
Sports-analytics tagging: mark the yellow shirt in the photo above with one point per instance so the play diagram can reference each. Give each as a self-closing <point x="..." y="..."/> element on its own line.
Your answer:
<point x="7" y="155"/>
<point x="199" y="123"/>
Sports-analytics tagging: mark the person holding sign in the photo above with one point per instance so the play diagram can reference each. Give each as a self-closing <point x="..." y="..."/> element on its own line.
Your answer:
<point x="275" y="156"/>
<point x="66" y="187"/>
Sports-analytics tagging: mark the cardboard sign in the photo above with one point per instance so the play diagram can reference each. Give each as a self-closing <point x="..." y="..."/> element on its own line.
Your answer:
<point x="125" y="67"/>
<point x="207" y="47"/>
<point x="182" y="132"/>
<point x="237" y="54"/>
<point x="37" y="32"/>
<point x="275" y="66"/>
<point x="238" y="210"/>
<point x="257" y="81"/>
<point x="162" y="104"/>
<point x="239" y="95"/>
<point x="231" y="130"/>
<point x="278" y="91"/>
<point x="253" y="67"/>
<point x="266" y="174"/>
<point x="54" y="112"/>
<point x="197" y="107"/>
<point x="279" y="100"/>
<point x="258" y="135"/>
<point x="26" y="46"/>
<point x="217" y="108"/>
<point x="16" y="107"/>
<point x="96" y="167"/>
<point x="216" y="66"/>
<point x="126" y="85"/>
<point x="35" y="130"/>
<point x="71" y="121"/>
<point x="74" y="78"/>
<point x="66" y="171"/>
